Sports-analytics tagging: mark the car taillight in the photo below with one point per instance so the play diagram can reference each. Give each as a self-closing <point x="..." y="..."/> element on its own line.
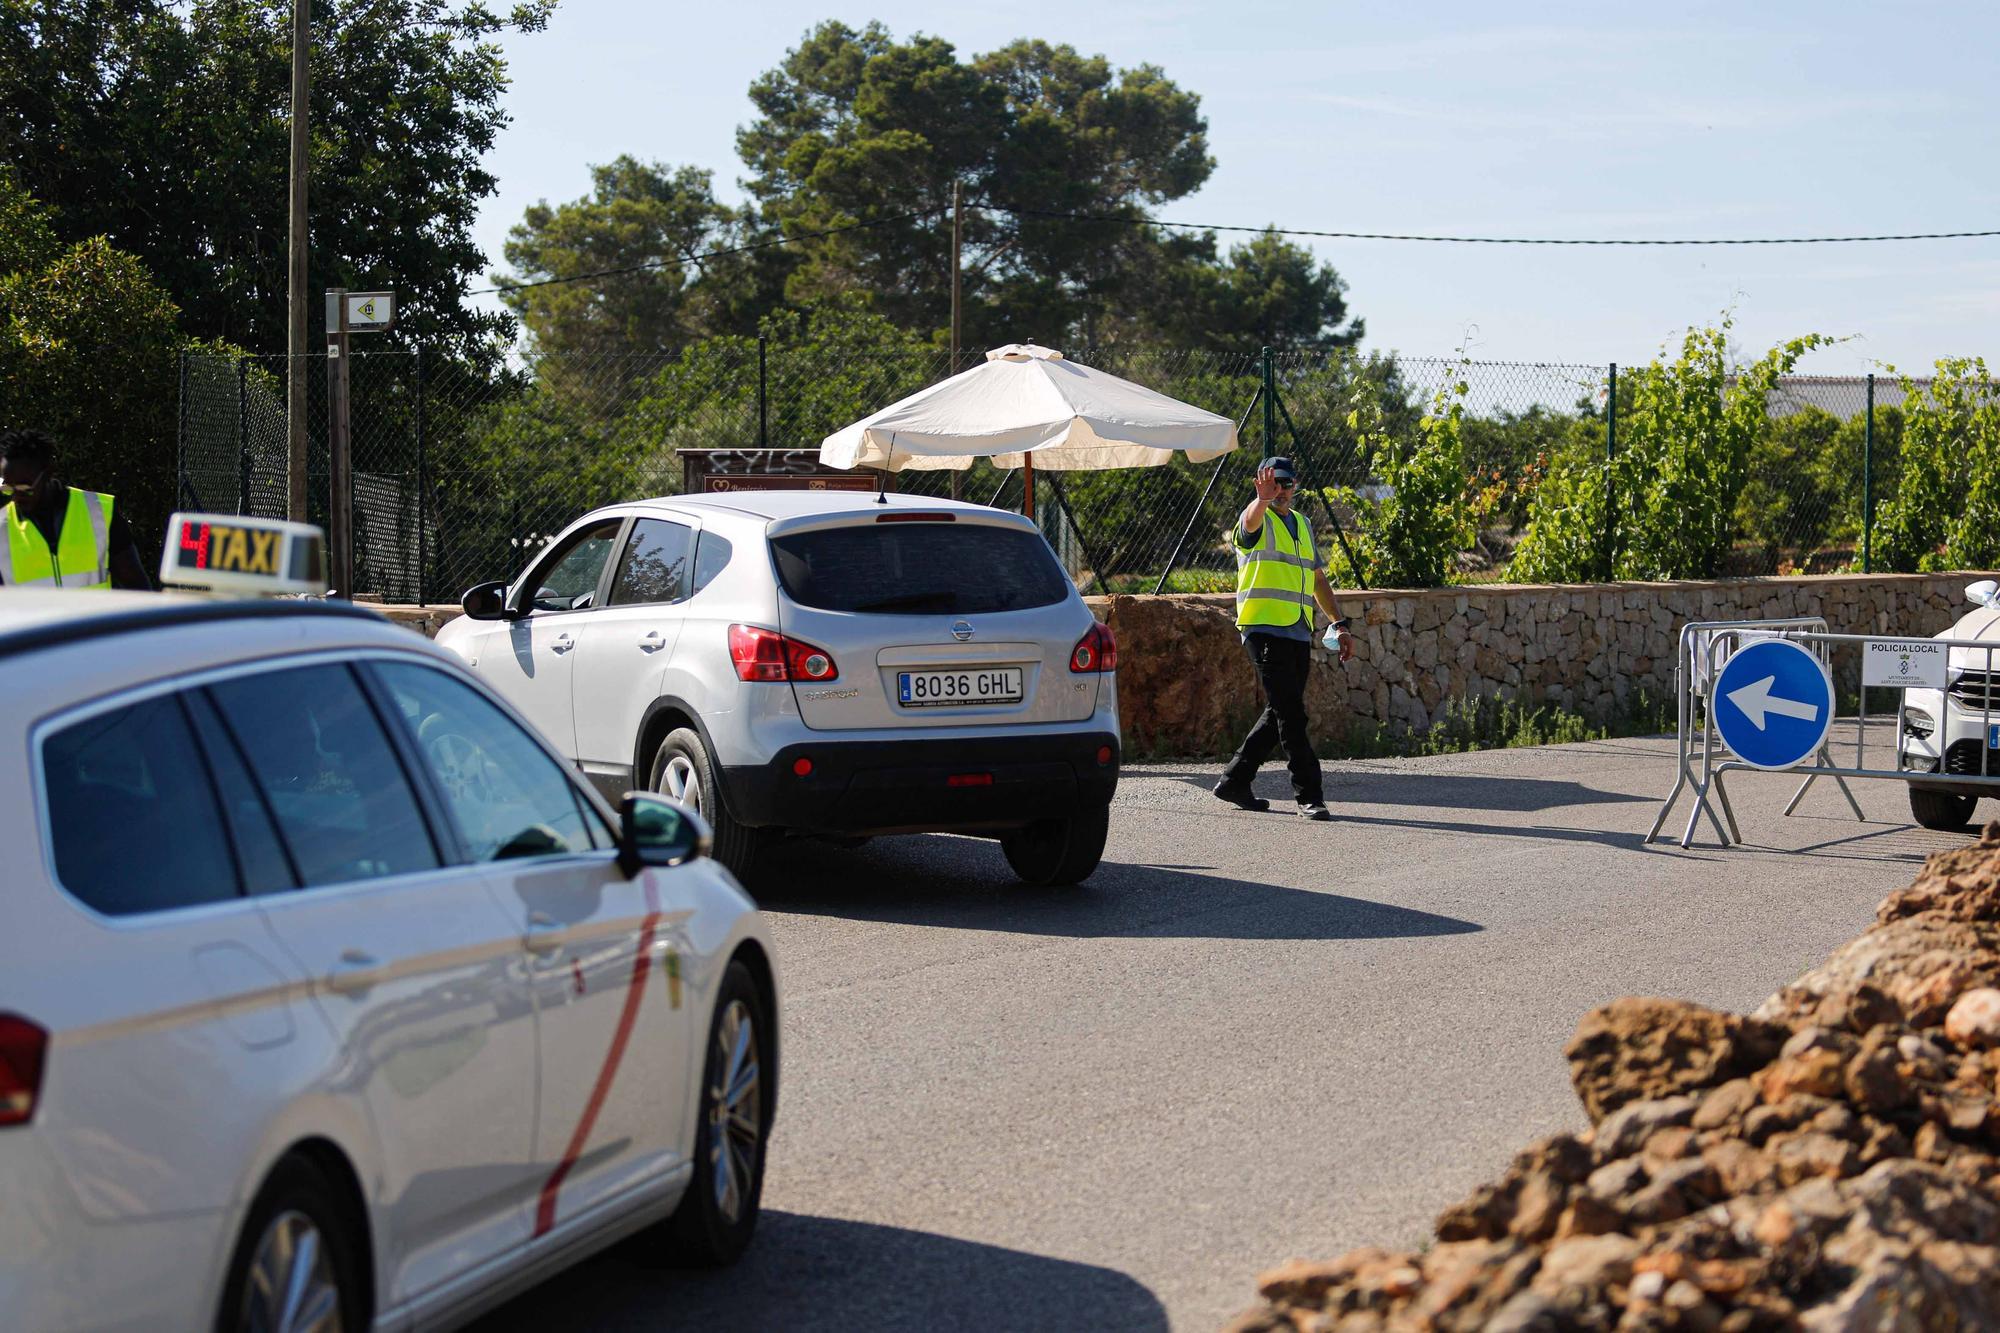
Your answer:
<point x="23" y="1047"/>
<point x="1095" y="651"/>
<point x="765" y="654"/>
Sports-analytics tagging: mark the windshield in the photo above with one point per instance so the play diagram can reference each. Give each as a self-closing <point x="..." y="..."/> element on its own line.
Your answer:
<point x="954" y="569"/>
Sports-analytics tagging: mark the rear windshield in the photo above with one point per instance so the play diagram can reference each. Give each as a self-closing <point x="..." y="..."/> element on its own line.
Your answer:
<point x="953" y="569"/>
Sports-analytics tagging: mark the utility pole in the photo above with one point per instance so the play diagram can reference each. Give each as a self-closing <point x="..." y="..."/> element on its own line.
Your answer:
<point x="339" y="453"/>
<point x="957" y="250"/>
<point x="295" y="290"/>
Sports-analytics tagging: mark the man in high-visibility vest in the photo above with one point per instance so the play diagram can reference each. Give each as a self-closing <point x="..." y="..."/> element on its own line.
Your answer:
<point x="1279" y="578"/>
<point x="55" y="536"/>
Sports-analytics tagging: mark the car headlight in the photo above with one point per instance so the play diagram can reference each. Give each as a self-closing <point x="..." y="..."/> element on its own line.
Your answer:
<point x="1918" y="723"/>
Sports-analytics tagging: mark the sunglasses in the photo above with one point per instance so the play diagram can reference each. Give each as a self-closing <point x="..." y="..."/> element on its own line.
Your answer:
<point x="1285" y="483"/>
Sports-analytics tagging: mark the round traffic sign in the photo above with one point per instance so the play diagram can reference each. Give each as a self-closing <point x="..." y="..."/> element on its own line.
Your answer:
<point x="1773" y="704"/>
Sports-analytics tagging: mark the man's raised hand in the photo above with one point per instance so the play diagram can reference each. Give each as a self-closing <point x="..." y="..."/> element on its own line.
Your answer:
<point x="1267" y="482"/>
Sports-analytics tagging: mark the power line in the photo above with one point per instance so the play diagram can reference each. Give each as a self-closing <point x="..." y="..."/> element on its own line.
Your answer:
<point x="1479" y="240"/>
<point x="1128" y="221"/>
<point x="696" y="259"/>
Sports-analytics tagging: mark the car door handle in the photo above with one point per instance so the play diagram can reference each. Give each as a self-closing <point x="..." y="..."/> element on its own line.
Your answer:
<point x="544" y="936"/>
<point x="563" y="643"/>
<point x="654" y="641"/>
<point x="354" y="972"/>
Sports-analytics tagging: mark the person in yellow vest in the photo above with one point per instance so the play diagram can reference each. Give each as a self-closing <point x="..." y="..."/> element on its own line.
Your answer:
<point x="55" y="536"/>
<point x="1279" y="578"/>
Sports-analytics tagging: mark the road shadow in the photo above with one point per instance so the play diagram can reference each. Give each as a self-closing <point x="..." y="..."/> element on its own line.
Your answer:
<point x="965" y="884"/>
<point x="807" y="1272"/>
<point x="1437" y="791"/>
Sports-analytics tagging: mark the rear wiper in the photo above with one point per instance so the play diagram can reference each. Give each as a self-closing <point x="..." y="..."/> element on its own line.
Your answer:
<point x="909" y="600"/>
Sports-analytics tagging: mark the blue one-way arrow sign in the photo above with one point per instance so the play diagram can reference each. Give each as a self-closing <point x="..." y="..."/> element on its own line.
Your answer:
<point x="1773" y="704"/>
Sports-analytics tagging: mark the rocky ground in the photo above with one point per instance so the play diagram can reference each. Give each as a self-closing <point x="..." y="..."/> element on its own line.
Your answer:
<point x="1826" y="1163"/>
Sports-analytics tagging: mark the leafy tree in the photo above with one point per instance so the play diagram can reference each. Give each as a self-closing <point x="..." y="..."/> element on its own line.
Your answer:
<point x="88" y="350"/>
<point x="855" y="127"/>
<point x="637" y="214"/>
<point x="1946" y="511"/>
<point x="1788" y="502"/>
<point x="166" y="128"/>
<point x="1267" y="293"/>
<point x="1665" y="507"/>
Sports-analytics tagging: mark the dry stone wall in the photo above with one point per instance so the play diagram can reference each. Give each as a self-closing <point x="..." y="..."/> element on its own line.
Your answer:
<point x="1186" y="688"/>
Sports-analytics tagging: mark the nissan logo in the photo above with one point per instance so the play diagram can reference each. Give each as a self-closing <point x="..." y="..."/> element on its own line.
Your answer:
<point x="961" y="630"/>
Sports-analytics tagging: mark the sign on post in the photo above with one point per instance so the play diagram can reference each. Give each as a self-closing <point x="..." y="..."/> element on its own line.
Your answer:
<point x="1773" y="704"/>
<point x="1904" y="664"/>
<point x="369" y="312"/>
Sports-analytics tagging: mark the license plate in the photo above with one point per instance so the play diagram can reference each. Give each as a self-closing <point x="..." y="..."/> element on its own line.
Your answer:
<point x="948" y="689"/>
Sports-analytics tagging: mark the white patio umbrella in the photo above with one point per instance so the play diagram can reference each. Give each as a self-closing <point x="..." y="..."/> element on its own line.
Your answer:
<point x="1028" y="407"/>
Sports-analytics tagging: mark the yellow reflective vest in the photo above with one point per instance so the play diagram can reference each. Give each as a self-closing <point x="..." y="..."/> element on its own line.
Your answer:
<point x="81" y="557"/>
<point x="1274" y="576"/>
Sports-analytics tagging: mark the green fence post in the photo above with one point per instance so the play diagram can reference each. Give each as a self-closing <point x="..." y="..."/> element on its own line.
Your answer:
<point x="1270" y="408"/>
<point x="1868" y="482"/>
<point x="1610" y="489"/>
<point x="242" y="435"/>
<point x="763" y="394"/>
<point x="423" y="488"/>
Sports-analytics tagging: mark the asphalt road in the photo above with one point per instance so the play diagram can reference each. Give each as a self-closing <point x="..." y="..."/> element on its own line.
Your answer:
<point x="1246" y="1038"/>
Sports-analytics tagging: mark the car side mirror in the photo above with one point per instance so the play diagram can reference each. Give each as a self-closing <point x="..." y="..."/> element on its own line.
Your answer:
<point x="654" y="831"/>
<point x="486" y="601"/>
<point x="1982" y="593"/>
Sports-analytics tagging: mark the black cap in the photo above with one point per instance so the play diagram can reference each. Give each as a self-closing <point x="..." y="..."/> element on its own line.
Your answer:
<point x="1281" y="468"/>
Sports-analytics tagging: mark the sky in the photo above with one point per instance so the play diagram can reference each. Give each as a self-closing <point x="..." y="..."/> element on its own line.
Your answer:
<point x="1541" y="119"/>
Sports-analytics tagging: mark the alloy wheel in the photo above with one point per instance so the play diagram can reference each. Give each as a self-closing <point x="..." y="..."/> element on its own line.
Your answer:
<point x="291" y="1288"/>
<point x="680" y="781"/>
<point x="735" y="1110"/>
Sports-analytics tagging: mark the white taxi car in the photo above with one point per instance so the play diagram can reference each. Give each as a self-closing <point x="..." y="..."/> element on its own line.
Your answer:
<point x="821" y="663"/>
<point x="330" y="997"/>
<point x="1955" y="732"/>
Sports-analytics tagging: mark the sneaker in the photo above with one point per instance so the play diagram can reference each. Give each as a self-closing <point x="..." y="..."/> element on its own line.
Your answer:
<point x="1314" y="811"/>
<point x="1240" y="796"/>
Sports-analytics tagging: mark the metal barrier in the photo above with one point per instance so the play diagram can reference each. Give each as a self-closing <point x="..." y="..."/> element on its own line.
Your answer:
<point x="1704" y="650"/>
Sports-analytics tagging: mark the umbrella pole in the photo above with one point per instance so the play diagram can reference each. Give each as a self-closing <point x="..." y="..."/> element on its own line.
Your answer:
<point x="1028" y="485"/>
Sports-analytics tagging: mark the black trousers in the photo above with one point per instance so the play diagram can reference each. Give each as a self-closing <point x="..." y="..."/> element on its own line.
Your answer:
<point x="1282" y="667"/>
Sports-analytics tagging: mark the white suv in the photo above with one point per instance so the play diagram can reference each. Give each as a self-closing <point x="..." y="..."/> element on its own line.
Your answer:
<point x="820" y="663"/>
<point x="1956" y="731"/>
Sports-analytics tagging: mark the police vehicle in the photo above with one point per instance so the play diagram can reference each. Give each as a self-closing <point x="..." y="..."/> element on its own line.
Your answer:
<point x="1956" y="730"/>
<point x="818" y="662"/>
<point x="330" y="996"/>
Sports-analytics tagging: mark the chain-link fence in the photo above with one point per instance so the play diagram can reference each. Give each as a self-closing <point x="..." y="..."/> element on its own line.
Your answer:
<point x="462" y="470"/>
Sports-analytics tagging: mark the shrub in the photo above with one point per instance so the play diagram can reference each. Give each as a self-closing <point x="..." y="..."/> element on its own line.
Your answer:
<point x="1946" y="510"/>
<point x="1665" y="506"/>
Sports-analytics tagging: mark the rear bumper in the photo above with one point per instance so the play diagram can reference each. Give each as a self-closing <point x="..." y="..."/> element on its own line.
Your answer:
<point x="907" y="786"/>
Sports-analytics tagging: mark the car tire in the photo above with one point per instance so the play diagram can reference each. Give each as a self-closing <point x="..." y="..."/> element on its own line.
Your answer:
<point x="1059" y="851"/>
<point x="714" y="1221"/>
<point x="1941" y="809"/>
<point x="300" y="1249"/>
<point x="683" y="770"/>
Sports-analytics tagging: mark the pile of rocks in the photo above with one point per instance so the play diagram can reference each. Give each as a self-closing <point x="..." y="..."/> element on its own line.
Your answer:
<point x="1827" y="1163"/>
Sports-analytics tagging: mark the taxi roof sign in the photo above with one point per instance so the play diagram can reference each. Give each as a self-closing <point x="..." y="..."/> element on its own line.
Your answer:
<point x="239" y="554"/>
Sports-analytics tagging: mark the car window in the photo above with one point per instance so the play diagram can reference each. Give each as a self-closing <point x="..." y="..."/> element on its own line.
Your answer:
<point x="133" y="823"/>
<point x="711" y="554"/>
<point x="260" y="852"/>
<point x="655" y="565"/>
<point x="506" y="796"/>
<point x="338" y="793"/>
<point x="920" y="569"/>
<point x="568" y="582"/>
